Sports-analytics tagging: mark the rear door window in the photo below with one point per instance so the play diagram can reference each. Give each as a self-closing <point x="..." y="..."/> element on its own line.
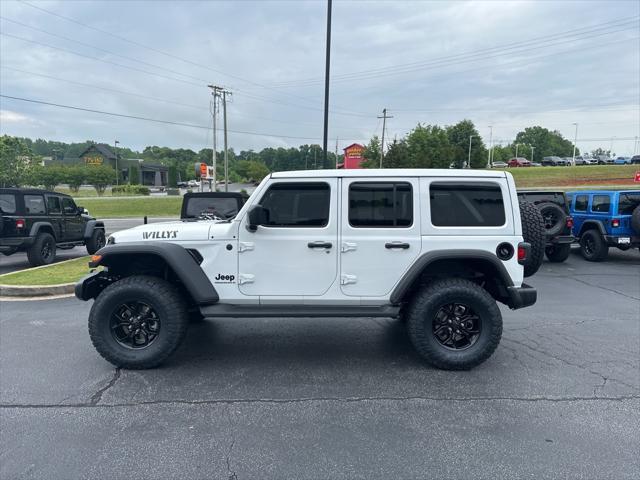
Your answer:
<point x="581" y="203"/>
<point x="34" y="205"/>
<point x="53" y="205"/>
<point x="477" y="204"/>
<point x="381" y="205"/>
<point x="8" y="202"/>
<point x="601" y="203"/>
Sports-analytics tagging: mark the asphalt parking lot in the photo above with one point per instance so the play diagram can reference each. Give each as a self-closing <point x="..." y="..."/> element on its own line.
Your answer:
<point x="335" y="398"/>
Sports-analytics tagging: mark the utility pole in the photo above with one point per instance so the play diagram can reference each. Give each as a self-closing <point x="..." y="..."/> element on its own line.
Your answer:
<point x="115" y="152"/>
<point x="517" y="145"/>
<point x="384" y="126"/>
<point x="575" y="141"/>
<point x="326" y="82"/>
<point x="611" y="146"/>
<point x="490" y="140"/>
<point x="336" y="153"/>
<point x="469" y="160"/>
<point x="315" y="161"/>
<point x="226" y="157"/>
<point x="532" y="147"/>
<point x="215" y="92"/>
<point x="635" y="145"/>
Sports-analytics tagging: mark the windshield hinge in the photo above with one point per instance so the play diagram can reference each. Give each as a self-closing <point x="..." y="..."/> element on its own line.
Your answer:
<point x="245" y="278"/>
<point x="347" y="279"/>
<point x="244" y="246"/>
<point x="348" y="247"/>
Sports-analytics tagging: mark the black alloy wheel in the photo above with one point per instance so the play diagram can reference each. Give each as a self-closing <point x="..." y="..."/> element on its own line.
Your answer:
<point x="456" y="326"/>
<point x="134" y="324"/>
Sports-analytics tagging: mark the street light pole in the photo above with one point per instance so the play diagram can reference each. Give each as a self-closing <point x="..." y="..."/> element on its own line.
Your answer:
<point x="469" y="158"/>
<point x="490" y="140"/>
<point x="575" y="141"/>
<point x="532" y="147"/>
<point x="326" y="83"/>
<point x="115" y="151"/>
<point x="517" y="145"/>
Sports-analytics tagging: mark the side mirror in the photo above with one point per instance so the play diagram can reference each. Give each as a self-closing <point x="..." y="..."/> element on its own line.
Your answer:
<point x="257" y="215"/>
<point x="80" y="210"/>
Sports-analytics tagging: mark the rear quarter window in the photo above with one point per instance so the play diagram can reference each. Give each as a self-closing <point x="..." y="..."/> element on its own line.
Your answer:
<point x="601" y="203"/>
<point x="477" y="204"/>
<point x="34" y="205"/>
<point x="8" y="202"/>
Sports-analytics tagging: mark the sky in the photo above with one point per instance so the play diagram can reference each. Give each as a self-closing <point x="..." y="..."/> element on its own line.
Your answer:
<point x="505" y="64"/>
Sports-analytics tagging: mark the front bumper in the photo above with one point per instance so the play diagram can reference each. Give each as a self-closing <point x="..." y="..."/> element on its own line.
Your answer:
<point x="520" y="297"/>
<point x="614" y="240"/>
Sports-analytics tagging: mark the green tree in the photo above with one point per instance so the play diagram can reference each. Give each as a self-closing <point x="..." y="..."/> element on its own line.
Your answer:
<point x="100" y="177"/>
<point x="49" y="176"/>
<point x="459" y="137"/>
<point x="15" y="161"/>
<point x="172" y="179"/>
<point x="257" y="171"/>
<point x="74" y="176"/>
<point x="134" y="175"/>
<point x="371" y="153"/>
<point x="397" y="155"/>
<point x="545" y="142"/>
<point x="429" y="147"/>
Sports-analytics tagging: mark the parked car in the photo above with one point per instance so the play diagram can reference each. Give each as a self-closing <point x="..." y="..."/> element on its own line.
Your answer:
<point x="604" y="219"/>
<point x="212" y="205"/>
<point x="580" y="160"/>
<point x="604" y="160"/>
<point x="622" y="161"/>
<point x="536" y="164"/>
<point x="554" y="162"/>
<point x="558" y="223"/>
<point x="39" y="221"/>
<point x="499" y="165"/>
<point x="304" y="246"/>
<point x="635" y="160"/>
<point x="518" y="162"/>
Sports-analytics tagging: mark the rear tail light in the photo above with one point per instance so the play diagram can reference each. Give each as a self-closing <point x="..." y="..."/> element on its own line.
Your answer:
<point x="20" y="223"/>
<point x="523" y="252"/>
<point x="615" y="223"/>
<point x="569" y="222"/>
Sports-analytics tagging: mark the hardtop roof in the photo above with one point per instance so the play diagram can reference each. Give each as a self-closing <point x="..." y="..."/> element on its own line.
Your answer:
<point x="391" y="172"/>
<point x="28" y="191"/>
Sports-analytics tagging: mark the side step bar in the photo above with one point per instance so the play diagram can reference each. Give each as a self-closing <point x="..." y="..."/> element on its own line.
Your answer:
<point x="247" y="311"/>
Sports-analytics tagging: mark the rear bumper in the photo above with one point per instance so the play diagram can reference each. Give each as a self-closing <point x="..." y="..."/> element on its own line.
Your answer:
<point x="614" y="240"/>
<point x="520" y="297"/>
<point x="11" y="243"/>
<point x="560" y="240"/>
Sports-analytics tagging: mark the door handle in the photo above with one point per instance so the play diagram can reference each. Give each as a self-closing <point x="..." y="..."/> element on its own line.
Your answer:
<point x="390" y="245"/>
<point x="319" y="245"/>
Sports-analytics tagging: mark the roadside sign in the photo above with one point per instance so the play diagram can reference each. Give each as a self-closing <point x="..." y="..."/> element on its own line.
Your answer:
<point x="637" y="177"/>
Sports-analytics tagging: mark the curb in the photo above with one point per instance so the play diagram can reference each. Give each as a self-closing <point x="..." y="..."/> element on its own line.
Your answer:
<point x="36" y="290"/>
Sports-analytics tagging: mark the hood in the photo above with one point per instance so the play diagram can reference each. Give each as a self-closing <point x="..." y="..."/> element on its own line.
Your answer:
<point x="176" y="232"/>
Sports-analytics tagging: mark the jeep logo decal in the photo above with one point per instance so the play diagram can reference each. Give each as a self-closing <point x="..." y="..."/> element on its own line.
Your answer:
<point x="222" y="278"/>
<point x="160" y="234"/>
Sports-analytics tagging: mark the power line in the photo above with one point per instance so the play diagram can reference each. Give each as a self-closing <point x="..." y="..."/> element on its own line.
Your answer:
<point x="148" y="119"/>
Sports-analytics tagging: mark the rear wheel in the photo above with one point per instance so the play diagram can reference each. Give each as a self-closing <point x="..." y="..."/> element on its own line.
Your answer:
<point x="43" y="250"/>
<point x="138" y="322"/>
<point x="454" y="324"/>
<point x="593" y="246"/>
<point x="558" y="253"/>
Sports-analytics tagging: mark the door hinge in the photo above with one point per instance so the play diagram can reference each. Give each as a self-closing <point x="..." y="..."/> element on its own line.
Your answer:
<point x="348" y="247"/>
<point x="244" y="246"/>
<point x="245" y="278"/>
<point x="347" y="279"/>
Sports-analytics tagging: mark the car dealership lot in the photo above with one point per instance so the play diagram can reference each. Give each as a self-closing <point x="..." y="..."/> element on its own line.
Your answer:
<point x="338" y="398"/>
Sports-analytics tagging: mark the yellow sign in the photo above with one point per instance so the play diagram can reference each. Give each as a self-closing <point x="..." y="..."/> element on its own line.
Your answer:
<point x="94" y="160"/>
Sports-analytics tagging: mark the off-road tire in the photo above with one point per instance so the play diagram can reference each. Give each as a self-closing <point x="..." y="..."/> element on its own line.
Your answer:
<point x="554" y="218"/>
<point x="558" y="253"/>
<point x="533" y="233"/>
<point x="593" y="247"/>
<point x="163" y="297"/>
<point x="635" y="220"/>
<point x="96" y="242"/>
<point x="422" y="310"/>
<point x="44" y="243"/>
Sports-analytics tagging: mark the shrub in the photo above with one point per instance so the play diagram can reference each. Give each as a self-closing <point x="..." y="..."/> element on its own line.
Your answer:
<point x="100" y="177"/>
<point x="75" y="176"/>
<point x="130" y="190"/>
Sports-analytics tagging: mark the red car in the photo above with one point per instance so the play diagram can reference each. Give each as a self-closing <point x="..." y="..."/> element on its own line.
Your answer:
<point x="519" y="162"/>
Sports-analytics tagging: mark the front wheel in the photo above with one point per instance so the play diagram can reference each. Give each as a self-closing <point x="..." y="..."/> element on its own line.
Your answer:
<point x="454" y="324"/>
<point x="138" y="322"/>
<point x="96" y="242"/>
<point x="558" y="253"/>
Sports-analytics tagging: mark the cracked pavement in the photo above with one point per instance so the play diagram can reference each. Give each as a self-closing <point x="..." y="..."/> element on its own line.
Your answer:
<point x="334" y="398"/>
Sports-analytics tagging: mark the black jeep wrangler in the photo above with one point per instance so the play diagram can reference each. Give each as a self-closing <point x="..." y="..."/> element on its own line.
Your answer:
<point x="38" y="222"/>
<point x="558" y="223"/>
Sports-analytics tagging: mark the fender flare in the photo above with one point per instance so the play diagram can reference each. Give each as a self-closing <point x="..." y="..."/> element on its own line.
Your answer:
<point x="588" y="223"/>
<point x="90" y="226"/>
<point x="177" y="257"/>
<point x="423" y="262"/>
<point x="37" y="226"/>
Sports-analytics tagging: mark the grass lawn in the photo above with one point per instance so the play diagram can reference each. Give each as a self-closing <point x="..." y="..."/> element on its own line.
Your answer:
<point x="114" y="207"/>
<point x="582" y="176"/>
<point x="63" y="272"/>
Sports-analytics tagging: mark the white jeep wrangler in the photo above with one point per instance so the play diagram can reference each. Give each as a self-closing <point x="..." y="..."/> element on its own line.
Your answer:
<point x="436" y="248"/>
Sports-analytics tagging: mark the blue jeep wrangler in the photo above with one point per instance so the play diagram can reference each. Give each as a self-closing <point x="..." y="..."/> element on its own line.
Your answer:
<point x="604" y="219"/>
